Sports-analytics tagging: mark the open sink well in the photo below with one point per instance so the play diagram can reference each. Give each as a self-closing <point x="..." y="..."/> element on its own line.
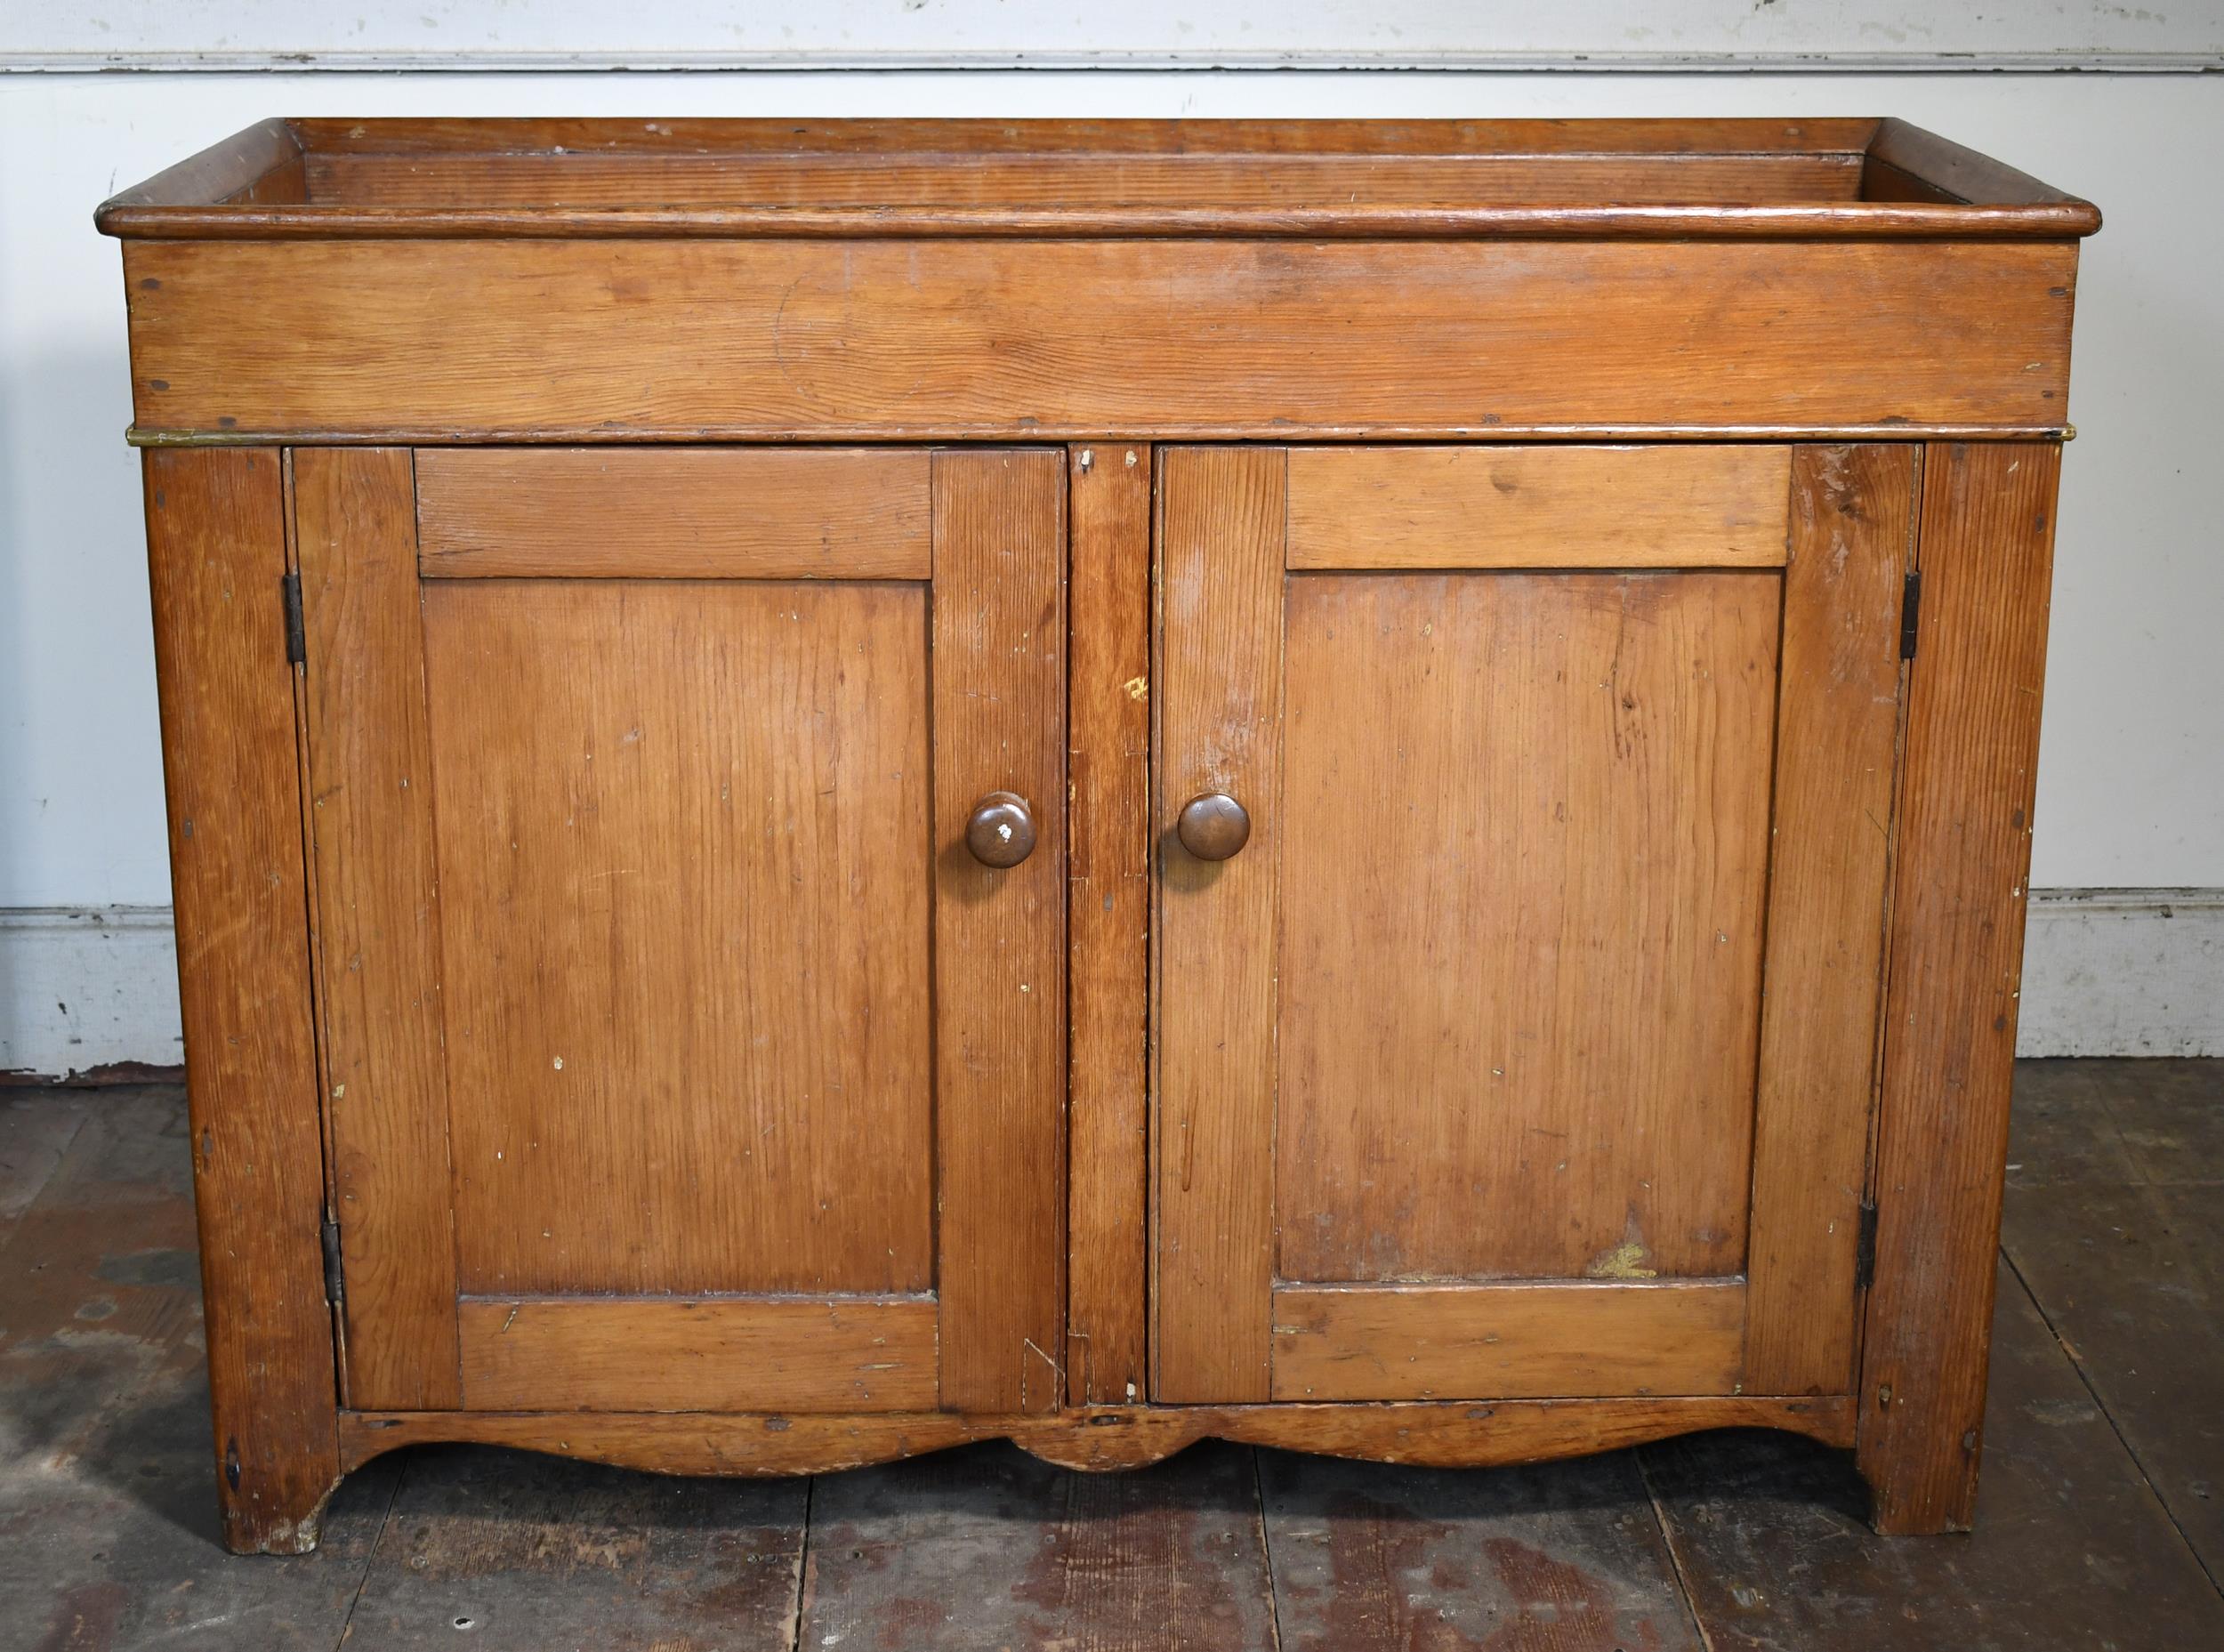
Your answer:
<point x="1420" y="179"/>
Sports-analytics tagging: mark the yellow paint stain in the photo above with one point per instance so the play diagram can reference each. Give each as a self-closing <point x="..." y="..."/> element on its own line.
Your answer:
<point x="1138" y="687"/>
<point x="1625" y="1261"/>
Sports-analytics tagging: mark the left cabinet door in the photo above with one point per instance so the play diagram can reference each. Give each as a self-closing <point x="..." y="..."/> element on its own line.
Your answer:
<point x="678" y="1052"/>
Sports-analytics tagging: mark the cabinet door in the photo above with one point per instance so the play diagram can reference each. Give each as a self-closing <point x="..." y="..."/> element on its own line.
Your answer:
<point x="681" y="1056"/>
<point x="1525" y="1047"/>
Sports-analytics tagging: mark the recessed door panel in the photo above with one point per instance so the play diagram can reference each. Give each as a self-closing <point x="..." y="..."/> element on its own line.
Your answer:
<point x="683" y="829"/>
<point x="1526" y="841"/>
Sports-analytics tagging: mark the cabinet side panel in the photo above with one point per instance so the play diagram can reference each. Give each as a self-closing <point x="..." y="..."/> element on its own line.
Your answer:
<point x="999" y="677"/>
<point x="1986" y="552"/>
<point x="1852" y="511"/>
<point x="370" y="756"/>
<point x="1109" y="906"/>
<point x="1220" y="682"/>
<point x="215" y="528"/>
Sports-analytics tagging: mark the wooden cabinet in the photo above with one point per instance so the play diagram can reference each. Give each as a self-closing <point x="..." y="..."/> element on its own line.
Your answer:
<point x="840" y="789"/>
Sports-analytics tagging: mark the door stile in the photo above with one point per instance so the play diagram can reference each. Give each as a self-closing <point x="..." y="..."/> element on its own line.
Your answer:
<point x="1223" y="513"/>
<point x="999" y="724"/>
<point x="1851" y="524"/>
<point x="370" y="769"/>
<point x="1109" y="709"/>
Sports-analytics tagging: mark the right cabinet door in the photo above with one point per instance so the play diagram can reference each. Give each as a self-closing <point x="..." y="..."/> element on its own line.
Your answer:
<point x="1526" y="1044"/>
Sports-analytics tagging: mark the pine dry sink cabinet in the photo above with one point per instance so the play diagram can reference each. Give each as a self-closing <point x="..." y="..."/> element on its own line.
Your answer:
<point x="838" y="788"/>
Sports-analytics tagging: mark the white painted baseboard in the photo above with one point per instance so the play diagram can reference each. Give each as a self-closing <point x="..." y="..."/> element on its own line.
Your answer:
<point x="2107" y="971"/>
<point x="86" y="988"/>
<point x="2124" y="971"/>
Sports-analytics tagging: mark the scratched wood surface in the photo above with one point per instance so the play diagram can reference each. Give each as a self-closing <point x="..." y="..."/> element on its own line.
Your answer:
<point x="216" y="541"/>
<point x="2115" y="1221"/>
<point x="619" y="1353"/>
<point x="1837" y="735"/>
<point x="1751" y="1541"/>
<point x="998" y="625"/>
<point x="1664" y="506"/>
<point x="647" y="788"/>
<point x="1025" y="340"/>
<point x="721" y="513"/>
<point x="926" y="178"/>
<point x="1967" y="777"/>
<point x="1437" y="1560"/>
<point x="1218" y="686"/>
<point x="2070" y="1546"/>
<point x="378" y="919"/>
<point x="1525" y="845"/>
<point x="1533" y="1339"/>
<point x="1107" y="906"/>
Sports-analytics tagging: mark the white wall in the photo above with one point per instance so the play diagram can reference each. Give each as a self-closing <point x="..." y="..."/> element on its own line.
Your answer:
<point x="897" y="34"/>
<point x="2132" y="785"/>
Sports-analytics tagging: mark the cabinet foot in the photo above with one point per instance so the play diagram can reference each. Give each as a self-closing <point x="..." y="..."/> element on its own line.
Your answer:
<point x="283" y="1514"/>
<point x="1920" y="1485"/>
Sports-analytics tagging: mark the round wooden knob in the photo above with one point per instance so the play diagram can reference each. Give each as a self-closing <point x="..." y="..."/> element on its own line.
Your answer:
<point x="1000" y="831"/>
<point x="1212" y="826"/>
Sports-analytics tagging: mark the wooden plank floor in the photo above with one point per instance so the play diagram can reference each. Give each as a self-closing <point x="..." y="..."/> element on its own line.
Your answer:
<point x="2101" y="1522"/>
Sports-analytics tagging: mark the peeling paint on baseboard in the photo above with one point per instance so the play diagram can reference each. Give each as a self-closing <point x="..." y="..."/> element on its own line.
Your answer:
<point x="2124" y="971"/>
<point x="88" y="993"/>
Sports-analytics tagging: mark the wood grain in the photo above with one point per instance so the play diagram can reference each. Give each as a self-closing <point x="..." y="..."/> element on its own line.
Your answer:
<point x="1443" y="1435"/>
<point x="784" y="135"/>
<point x="216" y="553"/>
<point x="720" y="513"/>
<point x="377" y="882"/>
<point x="547" y="177"/>
<point x="683" y="839"/>
<point x="1524" y="869"/>
<point x="2071" y="1547"/>
<point x="1514" y="1342"/>
<point x="732" y="1022"/>
<point x="1957" y="172"/>
<point x="798" y="340"/>
<point x="949" y="176"/>
<point x="1837" y="740"/>
<point x="666" y="1354"/>
<point x="1957" y="954"/>
<point x="1441" y="1561"/>
<point x="1221" y="534"/>
<point x="999" y="675"/>
<point x="229" y="170"/>
<point x="1537" y="507"/>
<point x="2114" y="1217"/>
<point x="1107" y="921"/>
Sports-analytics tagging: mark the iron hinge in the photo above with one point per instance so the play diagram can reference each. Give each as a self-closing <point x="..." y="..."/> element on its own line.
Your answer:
<point x="296" y="633"/>
<point x="336" y="1287"/>
<point x="1864" y="1248"/>
<point x="1910" y="612"/>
